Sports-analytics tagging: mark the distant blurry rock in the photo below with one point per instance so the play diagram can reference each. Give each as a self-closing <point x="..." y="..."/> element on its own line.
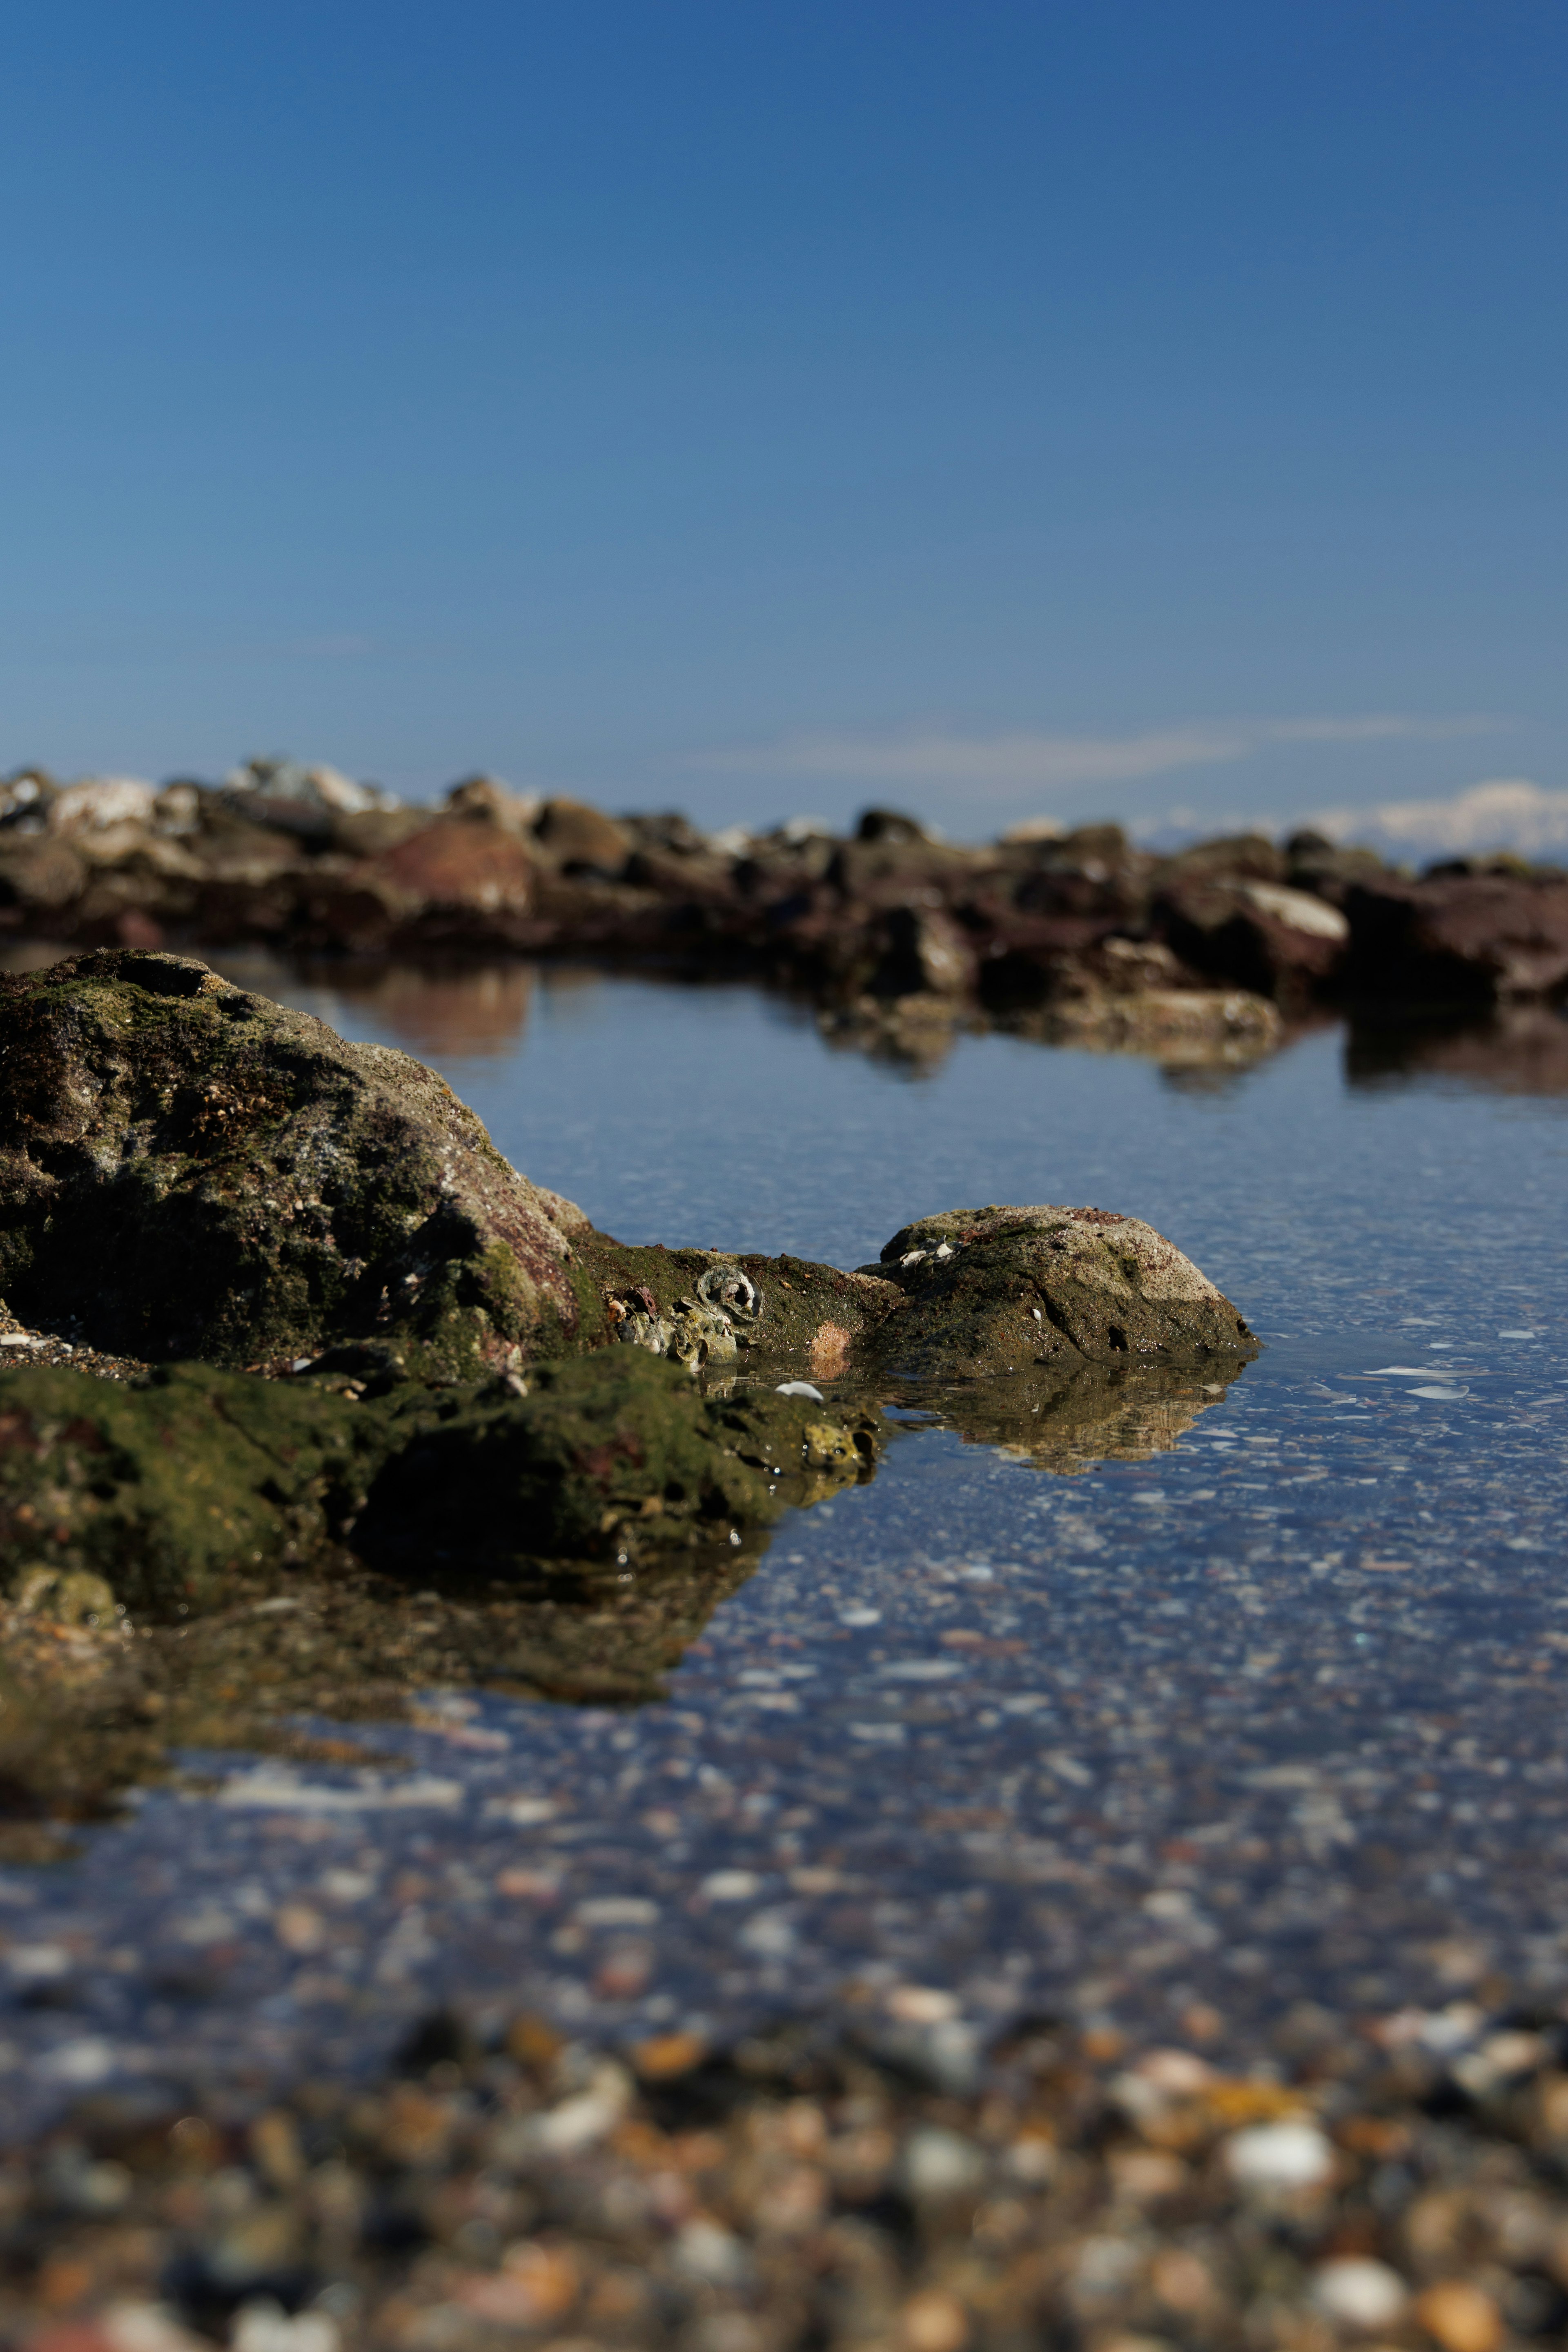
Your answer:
<point x="1327" y="868"/>
<point x="297" y="798"/>
<point x="1258" y="935"/>
<point x="1231" y="858"/>
<point x="40" y="876"/>
<point x="466" y="876"/>
<point x="25" y="799"/>
<point x="892" y="825"/>
<point x="572" y="836"/>
<point x="1457" y="939"/>
<point x="100" y="802"/>
<point x="485" y="797"/>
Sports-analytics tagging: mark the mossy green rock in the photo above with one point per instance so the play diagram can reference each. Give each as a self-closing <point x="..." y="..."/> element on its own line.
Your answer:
<point x="188" y="1169"/>
<point x="172" y="1490"/>
<point x="618" y="1457"/>
<point x="179" y="1488"/>
<point x="989" y="1291"/>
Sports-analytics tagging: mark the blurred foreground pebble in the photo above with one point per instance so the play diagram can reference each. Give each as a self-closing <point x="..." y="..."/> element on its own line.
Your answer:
<point x="1375" y="2187"/>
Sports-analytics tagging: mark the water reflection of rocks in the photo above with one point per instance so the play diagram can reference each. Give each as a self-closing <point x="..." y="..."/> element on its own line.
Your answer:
<point x="1522" y="1050"/>
<point x="1066" y="1423"/>
<point x="92" y="1703"/>
<point x="484" y="1010"/>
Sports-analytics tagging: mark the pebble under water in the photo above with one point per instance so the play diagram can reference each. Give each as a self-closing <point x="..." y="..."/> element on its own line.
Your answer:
<point x="1274" y="1717"/>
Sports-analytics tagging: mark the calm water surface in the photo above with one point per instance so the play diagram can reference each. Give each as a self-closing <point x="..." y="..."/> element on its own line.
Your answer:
<point x="1274" y="1719"/>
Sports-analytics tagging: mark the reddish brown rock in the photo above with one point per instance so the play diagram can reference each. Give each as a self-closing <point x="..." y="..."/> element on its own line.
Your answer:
<point x="1458" y="938"/>
<point x="1258" y="935"/>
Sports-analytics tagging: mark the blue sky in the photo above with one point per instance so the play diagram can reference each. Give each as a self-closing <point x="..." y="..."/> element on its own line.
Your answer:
<point x="1154" y="409"/>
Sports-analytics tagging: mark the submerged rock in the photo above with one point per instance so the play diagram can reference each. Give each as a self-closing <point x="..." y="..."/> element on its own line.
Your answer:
<point x="187" y="1169"/>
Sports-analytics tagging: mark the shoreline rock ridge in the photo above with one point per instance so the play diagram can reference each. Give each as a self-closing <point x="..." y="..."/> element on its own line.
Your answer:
<point x="1076" y="936"/>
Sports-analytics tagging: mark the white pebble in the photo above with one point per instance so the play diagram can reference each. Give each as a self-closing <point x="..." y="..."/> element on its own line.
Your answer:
<point x="265" y="2327"/>
<point x="938" y="2163"/>
<point x="1270" y="2157"/>
<point x="730" y="1886"/>
<point x="1358" y="2293"/>
<point x="705" y="2250"/>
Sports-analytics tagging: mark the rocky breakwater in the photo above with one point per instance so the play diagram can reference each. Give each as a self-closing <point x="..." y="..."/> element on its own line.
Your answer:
<point x="1077" y="936"/>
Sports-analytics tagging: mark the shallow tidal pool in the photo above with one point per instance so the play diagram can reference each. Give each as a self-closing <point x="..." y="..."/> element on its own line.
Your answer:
<point x="1272" y="1718"/>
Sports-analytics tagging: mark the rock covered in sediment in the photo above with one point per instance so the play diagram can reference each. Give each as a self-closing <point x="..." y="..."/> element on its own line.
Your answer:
<point x="614" y="1457"/>
<point x="187" y="1169"/>
<point x="992" y="1290"/>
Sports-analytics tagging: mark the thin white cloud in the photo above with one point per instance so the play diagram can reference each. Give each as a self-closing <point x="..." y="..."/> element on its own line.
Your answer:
<point x="1006" y="767"/>
<point x="1503" y="813"/>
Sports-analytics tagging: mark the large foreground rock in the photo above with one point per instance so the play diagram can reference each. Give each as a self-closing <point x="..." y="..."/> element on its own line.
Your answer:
<point x="187" y="1169"/>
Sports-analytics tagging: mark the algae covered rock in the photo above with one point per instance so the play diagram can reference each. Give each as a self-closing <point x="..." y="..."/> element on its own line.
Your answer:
<point x="991" y="1290"/>
<point x="188" y="1169"/>
<point x="174" y="1492"/>
<point x="617" y="1457"/>
<point x="182" y="1489"/>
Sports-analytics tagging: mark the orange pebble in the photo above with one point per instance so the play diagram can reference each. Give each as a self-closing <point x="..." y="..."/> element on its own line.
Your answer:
<point x="1460" y="2317"/>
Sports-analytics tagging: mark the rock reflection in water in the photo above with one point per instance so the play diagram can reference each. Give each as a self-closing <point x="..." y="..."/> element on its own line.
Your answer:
<point x="1522" y="1049"/>
<point x="1066" y="1421"/>
<point x="481" y="1010"/>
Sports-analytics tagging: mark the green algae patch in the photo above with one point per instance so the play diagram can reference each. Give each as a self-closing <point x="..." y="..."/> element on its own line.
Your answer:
<point x="172" y="1490"/>
<point x="617" y="1457"/>
<point x="179" y="1489"/>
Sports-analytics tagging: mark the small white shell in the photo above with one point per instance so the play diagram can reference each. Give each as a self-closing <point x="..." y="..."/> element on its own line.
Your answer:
<point x="799" y="1387"/>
